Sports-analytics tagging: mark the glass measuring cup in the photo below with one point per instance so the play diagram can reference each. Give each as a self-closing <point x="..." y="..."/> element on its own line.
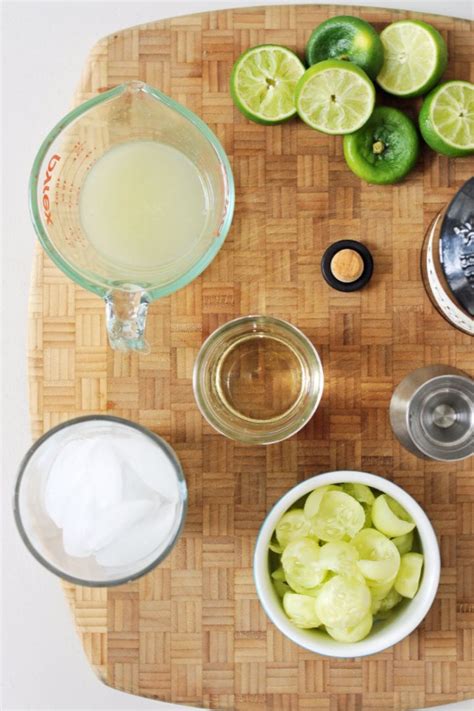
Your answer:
<point x="132" y="111"/>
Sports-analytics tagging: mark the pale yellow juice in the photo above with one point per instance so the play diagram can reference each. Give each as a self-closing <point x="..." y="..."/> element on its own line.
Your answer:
<point x="143" y="204"/>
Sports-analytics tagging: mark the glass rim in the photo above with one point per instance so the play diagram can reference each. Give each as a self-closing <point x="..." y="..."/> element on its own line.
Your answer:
<point x="255" y="438"/>
<point x="103" y="286"/>
<point x="52" y="568"/>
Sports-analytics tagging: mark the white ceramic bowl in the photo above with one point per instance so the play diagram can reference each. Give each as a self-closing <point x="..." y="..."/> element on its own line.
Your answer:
<point x="405" y="618"/>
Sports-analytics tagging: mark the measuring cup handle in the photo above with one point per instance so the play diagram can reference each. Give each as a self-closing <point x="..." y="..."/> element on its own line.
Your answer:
<point x="125" y="313"/>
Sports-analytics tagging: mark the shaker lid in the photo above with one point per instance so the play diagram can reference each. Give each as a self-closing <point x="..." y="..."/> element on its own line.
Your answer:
<point x="457" y="246"/>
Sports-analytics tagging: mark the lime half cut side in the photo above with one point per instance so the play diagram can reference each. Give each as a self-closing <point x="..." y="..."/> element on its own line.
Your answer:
<point x="415" y="56"/>
<point x="335" y="97"/>
<point x="447" y="118"/>
<point x="263" y="81"/>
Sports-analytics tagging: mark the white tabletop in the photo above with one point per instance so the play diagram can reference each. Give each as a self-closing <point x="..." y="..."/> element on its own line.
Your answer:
<point x="44" y="48"/>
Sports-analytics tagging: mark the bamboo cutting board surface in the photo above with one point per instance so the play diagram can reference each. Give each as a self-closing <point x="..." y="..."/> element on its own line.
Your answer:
<point x="193" y="631"/>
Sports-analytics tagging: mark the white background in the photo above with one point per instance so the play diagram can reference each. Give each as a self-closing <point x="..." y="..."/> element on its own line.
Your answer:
<point x="44" y="48"/>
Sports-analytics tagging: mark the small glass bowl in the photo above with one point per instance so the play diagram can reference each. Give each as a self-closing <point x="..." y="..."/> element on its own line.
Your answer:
<point x="41" y="535"/>
<point x="258" y="379"/>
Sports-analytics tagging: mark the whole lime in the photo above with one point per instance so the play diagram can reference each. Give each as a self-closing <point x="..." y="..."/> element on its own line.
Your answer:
<point x="346" y="38"/>
<point x="385" y="149"/>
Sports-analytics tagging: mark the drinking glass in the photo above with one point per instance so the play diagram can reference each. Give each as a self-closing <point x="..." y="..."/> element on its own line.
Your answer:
<point x="40" y="533"/>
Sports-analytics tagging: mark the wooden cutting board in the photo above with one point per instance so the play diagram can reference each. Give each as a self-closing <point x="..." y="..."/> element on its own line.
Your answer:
<point x="193" y="630"/>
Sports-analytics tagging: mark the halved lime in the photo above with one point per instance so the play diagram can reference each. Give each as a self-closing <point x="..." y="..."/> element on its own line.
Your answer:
<point x="385" y="149"/>
<point x="447" y="118"/>
<point x="335" y="97"/>
<point x="415" y="56"/>
<point x="347" y="38"/>
<point x="263" y="81"/>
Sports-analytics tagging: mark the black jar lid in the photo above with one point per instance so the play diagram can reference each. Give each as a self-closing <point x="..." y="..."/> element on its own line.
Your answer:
<point x="347" y="265"/>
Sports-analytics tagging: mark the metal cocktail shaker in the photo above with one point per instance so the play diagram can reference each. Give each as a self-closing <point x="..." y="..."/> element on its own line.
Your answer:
<point x="447" y="260"/>
<point x="432" y="413"/>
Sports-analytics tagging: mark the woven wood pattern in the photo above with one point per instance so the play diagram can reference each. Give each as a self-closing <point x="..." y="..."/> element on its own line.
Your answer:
<point x="193" y="631"/>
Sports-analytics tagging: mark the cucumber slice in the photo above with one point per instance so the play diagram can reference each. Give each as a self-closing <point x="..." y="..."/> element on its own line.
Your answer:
<point x="380" y="590"/>
<point x="300" y="561"/>
<point x="377" y="570"/>
<point x="408" y="578"/>
<point x="292" y="525"/>
<point x="390" y="518"/>
<point x="343" y="602"/>
<point x="375" y="606"/>
<point x="390" y="600"/>
<point x="339" y="557"/>
<point x="379" y="557"/>
<point x="368" y="516"/>
<point x="295" y="587"/>
<point x="398" y="509"/>
<point x="362" y="493"/>
<point x="352" y="634"/>
<point x="311" y="505"/>
<point x="404" y="543"/>
<point x="281" y="588"/>
<point x="279" y="574"/>
<point x="275" y="547"/>
<point x="301" y="609"/>
<point x="339" y="517"/>
<point x="381" y="615"/>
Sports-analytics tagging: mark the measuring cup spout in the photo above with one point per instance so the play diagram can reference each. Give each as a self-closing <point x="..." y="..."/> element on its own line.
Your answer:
<point x="125" y="313"/>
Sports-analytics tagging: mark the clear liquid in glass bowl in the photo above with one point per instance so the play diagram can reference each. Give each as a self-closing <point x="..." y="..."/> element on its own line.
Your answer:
<point x="258" y="379"/>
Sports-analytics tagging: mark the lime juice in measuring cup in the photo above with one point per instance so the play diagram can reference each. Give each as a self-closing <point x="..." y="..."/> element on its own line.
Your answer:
<point x="132" y="196"/>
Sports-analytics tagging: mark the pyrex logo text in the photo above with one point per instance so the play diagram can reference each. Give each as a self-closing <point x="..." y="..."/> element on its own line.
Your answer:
<point x="46" y="186"/>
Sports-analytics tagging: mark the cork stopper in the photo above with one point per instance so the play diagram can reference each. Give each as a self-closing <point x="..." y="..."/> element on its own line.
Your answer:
<point x="347" y="265"/>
